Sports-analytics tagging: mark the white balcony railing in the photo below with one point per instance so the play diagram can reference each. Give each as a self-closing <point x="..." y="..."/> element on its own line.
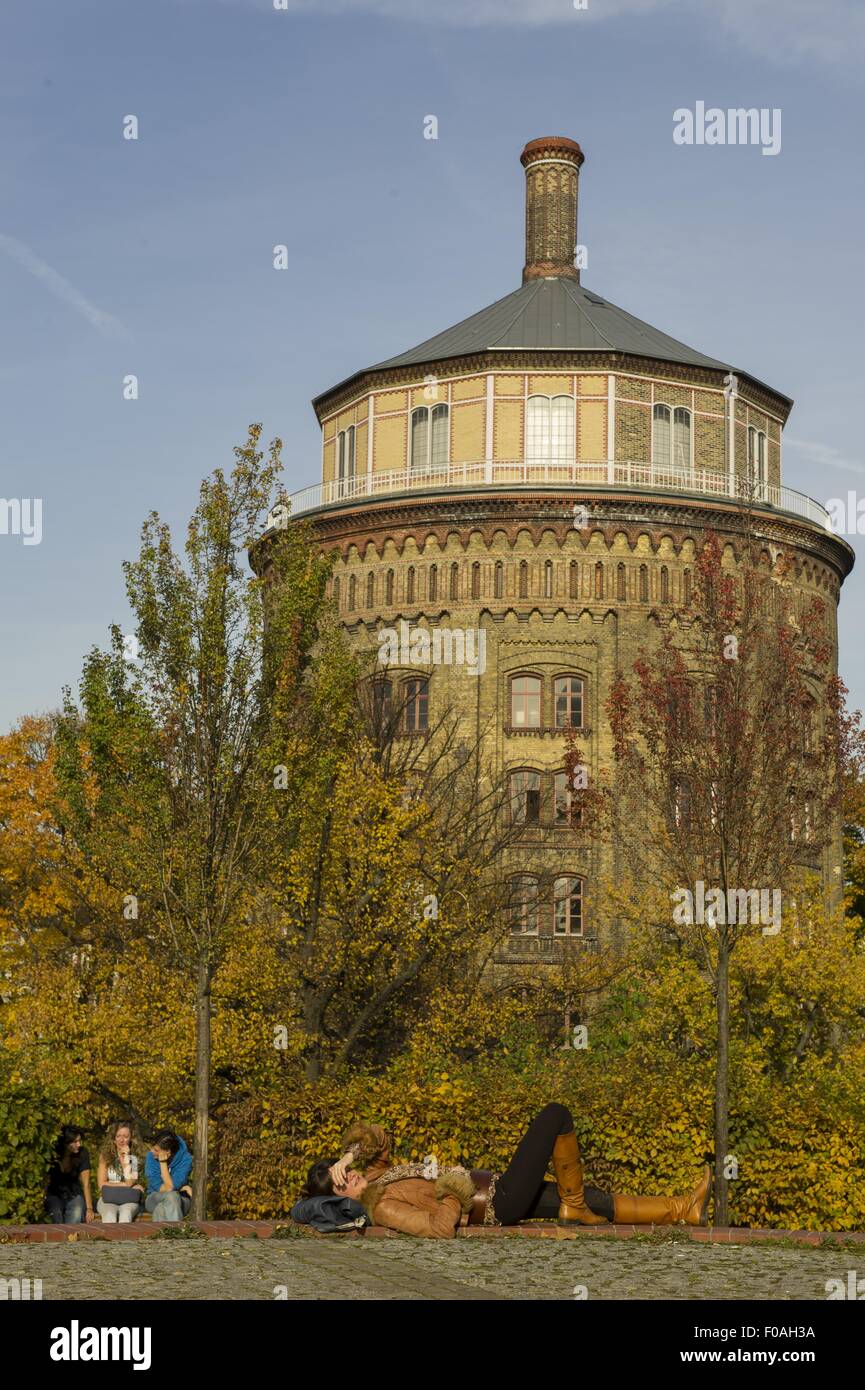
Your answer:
<point x="533" y="473"/>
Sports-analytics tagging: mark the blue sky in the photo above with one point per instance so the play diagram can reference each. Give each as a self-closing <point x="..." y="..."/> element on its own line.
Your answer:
<point x="305" y="127"/>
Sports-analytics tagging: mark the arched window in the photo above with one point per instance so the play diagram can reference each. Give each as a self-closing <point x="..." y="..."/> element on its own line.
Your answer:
<point x="525" y="702"/>
<point x="382" y="702"/>
<point x="416" y="709"/>
<point x="336" y="592"/>
<point x="476" y="580"/>
<point x="550" y="429"/>
<point x="499" y="580"/>
<point x="524" y="905"/>
<point x="388" y="588"/>
<point x="433" y="581"/>
<point x="681" y="440"/>
<point x="409" y="584"/>
<point x="621" y="592"/>
<point x="345" y="465"/>
<point x="370" y="590"/>
<point x="524" y="579"/>
<point x="568" y="702"/>
<point x="757" y="461"/>
<point x="548" y="579"/>
<point x="525" y="796"/>
<point x="661" y="436"/>
<point x="644" y="584"/>
<point x="686" y="586"/>
<point x="568" y="906"/>
<point x="599" y="580"/>
<point x="429" y="438"/>
<point x="352" y="592"/>
<point x="681" y="802"/>
<point x="455" y="580"/>
<point x="665" y="584"/>
<point x="574" y="579"/>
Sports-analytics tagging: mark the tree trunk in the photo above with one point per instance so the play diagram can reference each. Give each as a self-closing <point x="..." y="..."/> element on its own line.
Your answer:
<point x="202" y="1091"/>
<point x="722" y="1080"/>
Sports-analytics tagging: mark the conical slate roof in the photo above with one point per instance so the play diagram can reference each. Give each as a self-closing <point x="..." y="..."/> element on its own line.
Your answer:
<point x="554" y="313"/>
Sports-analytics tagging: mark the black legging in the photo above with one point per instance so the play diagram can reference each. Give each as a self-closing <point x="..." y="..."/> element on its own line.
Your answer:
<point x="521" y="1191"/>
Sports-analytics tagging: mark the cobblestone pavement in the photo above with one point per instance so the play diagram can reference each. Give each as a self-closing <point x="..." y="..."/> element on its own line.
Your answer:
<point x="404" y="1268"/>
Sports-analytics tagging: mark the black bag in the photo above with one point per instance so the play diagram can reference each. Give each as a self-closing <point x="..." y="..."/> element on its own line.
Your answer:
<point x="117" y="1195"/>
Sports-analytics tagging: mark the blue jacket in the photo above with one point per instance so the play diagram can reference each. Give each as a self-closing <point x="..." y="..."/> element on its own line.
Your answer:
<point x="180" y="1168"/>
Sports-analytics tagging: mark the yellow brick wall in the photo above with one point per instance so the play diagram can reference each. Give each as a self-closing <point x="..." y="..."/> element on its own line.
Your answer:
<point x="508" y="430"/>
<point x="467" y="432"/>
<point x="389" y="445"/>
<point x="591" y="430"/>
<point x="469" y="388"/>
<point x="551" y="385"/>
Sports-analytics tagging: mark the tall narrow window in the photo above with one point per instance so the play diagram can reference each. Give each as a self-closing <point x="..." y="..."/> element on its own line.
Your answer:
<point x="620" y="582"/>
<point x="455" y="580"/>
<point x="757" y="461"/>
<point x="524" y="579"/>
<point x="548" y="579"/>
<point x="370" y="590"/>
<point x="574" y="579"/>
<point x="524" y="905"/>
<point x="599" y="580"/>
<point x="336" y="592"/>
<point x="439" y="442"/>
<point x="562" y="432"/>
<point x="525" y="797"/>
<point x="420" y="440"/>
<point x="476" y="580"/>
<point x="382" y="706"/>
<point x="563" y="797"/>
<point x="644" y="584"/>
<point x="568" y="701"/>
<point x="388" y="588"/>
<point x="568" y="906"/>
<point x="686" y="586"/>
<point x="433" y="581"/>
<point x="352" y="593"/>
<point x="665" y="584"/>
<point x="681" y="800"/>
<point x="340" y="463"/>
<point x="429" y="438"/>
<point x="416" y="706"/>
<point x="681" y="440"/>
<point x="661" y="436"/>
<point x="409" y="584"/>
<point x="526" y="702"/>
<point x="499" y="580"/>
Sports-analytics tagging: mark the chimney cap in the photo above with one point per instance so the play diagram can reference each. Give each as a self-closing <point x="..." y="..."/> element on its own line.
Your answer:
<point x="554" y="146"/>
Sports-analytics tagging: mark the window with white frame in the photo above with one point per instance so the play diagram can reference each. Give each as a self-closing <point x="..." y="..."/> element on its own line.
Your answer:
<point x="757" y="461"/>
<point x="671" y="438"/>
<point x="525" y="797"/>
<point x="550" y="432"/>
<point x="526" y="702"/>
<point x="568" y="906"/>
<point x="429" y="438"/>
<point x="345" y="462"/>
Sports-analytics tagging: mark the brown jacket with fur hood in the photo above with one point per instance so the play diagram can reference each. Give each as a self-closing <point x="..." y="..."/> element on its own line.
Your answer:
<point x="419" y="1206"/>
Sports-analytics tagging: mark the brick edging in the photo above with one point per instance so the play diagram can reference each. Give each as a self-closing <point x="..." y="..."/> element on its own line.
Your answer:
<point x="713" y="1235"/>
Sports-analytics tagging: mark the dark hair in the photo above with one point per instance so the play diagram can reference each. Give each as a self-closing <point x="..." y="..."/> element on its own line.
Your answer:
<point x="167" y="1139"/>
<point x="67" y="1134"/>
<point x="319" y="1183"/>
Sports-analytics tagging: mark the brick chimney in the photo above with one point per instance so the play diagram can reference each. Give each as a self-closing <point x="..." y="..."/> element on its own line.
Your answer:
<point x="552" y="166"/>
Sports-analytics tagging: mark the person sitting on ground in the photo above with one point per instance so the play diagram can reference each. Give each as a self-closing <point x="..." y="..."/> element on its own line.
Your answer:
<point x="412" y="1198"/>
<point x="121" y="1161"/>
<point x="68" y="1199"/>
<point x="167" y="1167"/>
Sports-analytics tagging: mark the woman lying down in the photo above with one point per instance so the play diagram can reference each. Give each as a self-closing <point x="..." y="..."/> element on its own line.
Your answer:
<point x="404" y="1198"/>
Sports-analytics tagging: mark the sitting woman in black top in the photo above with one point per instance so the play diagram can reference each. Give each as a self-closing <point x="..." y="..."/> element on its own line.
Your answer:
<point x="68" y="1198"/>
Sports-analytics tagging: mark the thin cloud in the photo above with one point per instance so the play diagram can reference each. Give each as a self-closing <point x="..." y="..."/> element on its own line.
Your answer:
<point x="831" y="32"/>
<point x="824" y="455"/>
<point x="106" y="324"/>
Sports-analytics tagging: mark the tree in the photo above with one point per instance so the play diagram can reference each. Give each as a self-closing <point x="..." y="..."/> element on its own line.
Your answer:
<point x="729" y="739"/>
<point x="164" y="771"/>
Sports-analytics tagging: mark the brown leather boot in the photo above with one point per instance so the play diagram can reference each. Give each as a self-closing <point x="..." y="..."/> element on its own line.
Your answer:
<point x="692" y="1209"/>
<point x="569" y="1182"/>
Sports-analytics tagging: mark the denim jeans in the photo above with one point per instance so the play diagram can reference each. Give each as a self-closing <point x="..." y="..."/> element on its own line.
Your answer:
<point x="112" y="1212"/>
<point x="168" y="1206"/>
<point x="68" y="1210"/>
